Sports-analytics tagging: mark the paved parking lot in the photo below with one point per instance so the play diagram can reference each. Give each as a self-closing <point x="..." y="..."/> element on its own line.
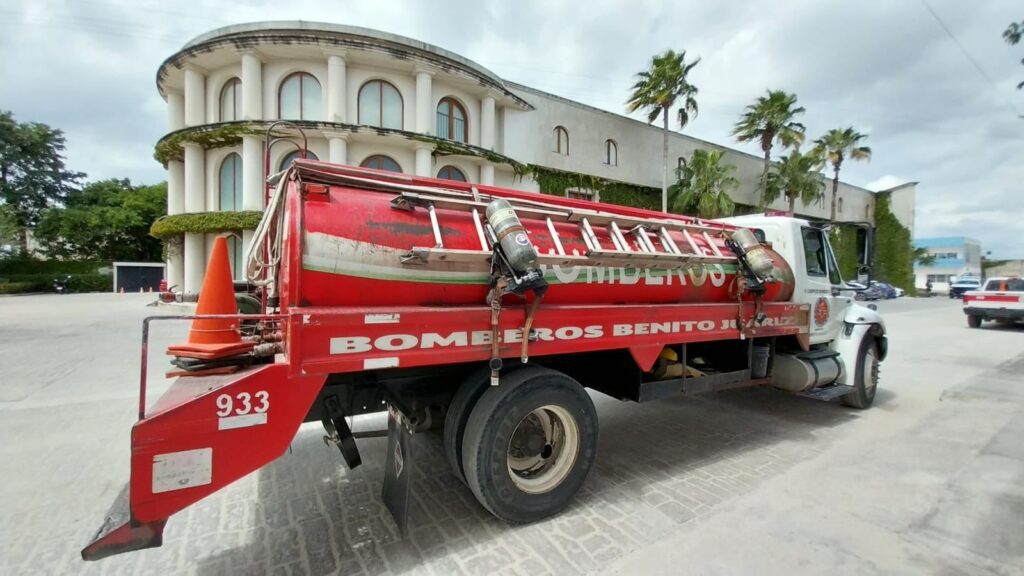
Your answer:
<point x="931" y="480"/>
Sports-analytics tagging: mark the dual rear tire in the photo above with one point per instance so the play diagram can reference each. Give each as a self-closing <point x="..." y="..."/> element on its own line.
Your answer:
<point x="524" y="447"/>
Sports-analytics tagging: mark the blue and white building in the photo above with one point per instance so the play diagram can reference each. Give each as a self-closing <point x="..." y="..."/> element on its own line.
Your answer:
<point x="955" y="256"/>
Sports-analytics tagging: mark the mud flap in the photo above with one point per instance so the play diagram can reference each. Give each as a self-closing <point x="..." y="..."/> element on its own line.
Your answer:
<point x="398" y="468"/>
<point x="119" y="533"/>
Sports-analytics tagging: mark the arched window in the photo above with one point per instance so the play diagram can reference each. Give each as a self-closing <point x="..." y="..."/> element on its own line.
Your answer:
<point x="235" y="253"/>
<point x="380" y="104"/>
<point x="291" y="156"/>
<point x="611" y="153"/>
<point x="231" y="100"/>
<point x="451" y="120"/>
<point x="451" y="173"/>
<point x="840" y="205"/>
<point x="381" y="162"/>
<point x="231" y="183"/>
<point x="299" y="98"/>
<point x="561" y="140"/>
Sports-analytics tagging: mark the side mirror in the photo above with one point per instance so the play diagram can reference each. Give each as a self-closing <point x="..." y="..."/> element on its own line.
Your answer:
<point x="864" y="275"/>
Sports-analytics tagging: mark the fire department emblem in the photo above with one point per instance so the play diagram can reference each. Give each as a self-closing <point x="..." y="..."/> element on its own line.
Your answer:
<point x="821" y="311"/>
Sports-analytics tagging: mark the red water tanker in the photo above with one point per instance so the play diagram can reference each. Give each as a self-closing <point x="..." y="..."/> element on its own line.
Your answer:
<point x="488" y="312"/>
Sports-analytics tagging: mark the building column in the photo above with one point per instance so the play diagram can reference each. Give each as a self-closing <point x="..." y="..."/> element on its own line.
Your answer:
<point x="194" y="262"/>
<point x="487" y="122"/>
<point x="424" y="160"/>
<point x="338" y="148"/>
<point x="253" y="191"/>
<point x="487" y="174"/>
<point x="337" y="87"/>
<point x="195" y="201"/>
<point x="195" y="96"/>
<point x="424" y="98"/>
<point x="175" y="111"/>
<point x="252" y="86"/>
<point x="195" y="178"/>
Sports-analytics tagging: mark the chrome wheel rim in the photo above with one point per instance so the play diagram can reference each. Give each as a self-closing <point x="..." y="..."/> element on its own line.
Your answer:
<point x="543" y="449"/>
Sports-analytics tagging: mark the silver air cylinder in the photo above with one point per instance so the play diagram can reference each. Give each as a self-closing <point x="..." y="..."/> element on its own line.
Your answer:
<point x="799" y="374"/>
<point x="754" y="253"/>
<point x="519" y="251"/>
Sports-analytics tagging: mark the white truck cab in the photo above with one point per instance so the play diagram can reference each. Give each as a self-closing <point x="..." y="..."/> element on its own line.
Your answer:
<point x="838" y="323"/>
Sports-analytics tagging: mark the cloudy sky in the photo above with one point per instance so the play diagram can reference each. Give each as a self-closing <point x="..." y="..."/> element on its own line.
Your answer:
<point x="937" y="93"/>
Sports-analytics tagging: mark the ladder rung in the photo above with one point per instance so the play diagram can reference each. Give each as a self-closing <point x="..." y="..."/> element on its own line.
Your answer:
<point x="433" y="224"/>
<point x="693" y="245"/>
<point x="480" y="228"/>
<point x="554" y="237"/>
<point x="714" y="247"/>
<point x="589" y="238"/>
<point x="643" y="239"/>
<point x="668" y="242"/>
<point x="617" y="238"/>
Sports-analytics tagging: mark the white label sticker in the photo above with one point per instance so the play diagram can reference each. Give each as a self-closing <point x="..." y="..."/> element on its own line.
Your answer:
<point x="180" y="470"/>
<point x="243" y="421"/>
<point x="381" y="318"/>
<point x="377" y="363"/>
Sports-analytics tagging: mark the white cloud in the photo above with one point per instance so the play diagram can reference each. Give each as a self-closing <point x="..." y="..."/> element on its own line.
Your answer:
<point x="88" y="67"/>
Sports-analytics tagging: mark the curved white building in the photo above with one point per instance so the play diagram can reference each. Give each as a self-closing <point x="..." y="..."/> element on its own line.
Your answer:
<point x="370" y="98"/>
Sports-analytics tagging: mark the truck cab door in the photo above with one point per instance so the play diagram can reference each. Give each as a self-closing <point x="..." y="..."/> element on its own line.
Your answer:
<point x="823" y="286"/>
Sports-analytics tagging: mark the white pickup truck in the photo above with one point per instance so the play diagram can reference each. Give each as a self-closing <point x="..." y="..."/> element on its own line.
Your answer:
<point x="1001" y="299"/>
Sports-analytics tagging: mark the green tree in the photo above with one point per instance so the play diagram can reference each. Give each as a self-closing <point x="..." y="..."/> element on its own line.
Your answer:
<point x="1013" y="35"/>
<point x="656" y="92"/>
<point x="837" y="145"/>
<point x="769" y="119"/>
<point x="32" y="172"/>
<point x="922" y="257"/>
<point x="704" y="185"/>
<point x="107" y="220"/>
<point x="796" y="176"/>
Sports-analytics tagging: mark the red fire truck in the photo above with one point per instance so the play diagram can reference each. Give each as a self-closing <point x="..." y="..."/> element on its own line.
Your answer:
<point x="489" y="312"/>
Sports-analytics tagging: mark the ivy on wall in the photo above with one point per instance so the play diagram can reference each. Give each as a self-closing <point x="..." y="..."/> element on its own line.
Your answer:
<point x="169" y="227"/>
<point x="894" y="248"/>
<point x="172" y="146"/>
<point x="556" y="182"/>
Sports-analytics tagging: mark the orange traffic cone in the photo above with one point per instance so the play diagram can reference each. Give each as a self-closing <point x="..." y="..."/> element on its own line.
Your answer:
<point x="212" y="338"/>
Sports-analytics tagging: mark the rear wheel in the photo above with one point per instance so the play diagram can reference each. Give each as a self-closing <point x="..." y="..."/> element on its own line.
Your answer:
<point x="974" y="321"/>
<point x="865" y="376"/>
<point x="529" y="444"/>
<point x="458" y="413"/>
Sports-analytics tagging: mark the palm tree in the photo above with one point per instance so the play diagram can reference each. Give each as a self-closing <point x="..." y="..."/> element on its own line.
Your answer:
<point x="837" y="145"/>
<point x="656" y="92"/>
<point x="768" y="119"/>
<point x="704" y="185"/>
<point x="796" y="176"/>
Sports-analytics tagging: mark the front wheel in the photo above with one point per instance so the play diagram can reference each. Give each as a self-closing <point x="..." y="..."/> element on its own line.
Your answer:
<point x="529" y="444"/>
<point x="865" y="376"/>
<point x="974" y="321"/>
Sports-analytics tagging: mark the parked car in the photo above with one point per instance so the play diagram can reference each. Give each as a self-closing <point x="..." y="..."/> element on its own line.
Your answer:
<point x="888" y="290"/>
<point x="957" y="289"/>
<point x="1002" y="300"/>
<point x="872" y="292"/>
<point x="900" y="292"/>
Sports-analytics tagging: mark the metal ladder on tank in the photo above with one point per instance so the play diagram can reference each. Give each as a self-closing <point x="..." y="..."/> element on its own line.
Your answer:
<point x="655" y="246"/>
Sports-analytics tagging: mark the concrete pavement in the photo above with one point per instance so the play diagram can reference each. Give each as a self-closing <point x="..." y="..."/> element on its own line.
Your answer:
<point x="756" y="481"/>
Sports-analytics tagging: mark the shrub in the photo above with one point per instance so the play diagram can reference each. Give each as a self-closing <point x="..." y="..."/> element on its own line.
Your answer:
<point x="23" y="283"/>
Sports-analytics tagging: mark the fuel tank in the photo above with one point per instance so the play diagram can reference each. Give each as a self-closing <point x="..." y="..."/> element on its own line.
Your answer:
<point x="356" y="245"/>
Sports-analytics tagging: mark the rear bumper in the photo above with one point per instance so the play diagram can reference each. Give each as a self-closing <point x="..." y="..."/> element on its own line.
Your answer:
<point x="995" y="313"/>
<point x="120" y="533"/>
<point x="204" y="433"/>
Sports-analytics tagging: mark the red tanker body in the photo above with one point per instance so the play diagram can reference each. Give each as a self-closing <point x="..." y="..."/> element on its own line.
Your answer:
<point x="487" y="311"/>
<point x="355" y="240"/>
